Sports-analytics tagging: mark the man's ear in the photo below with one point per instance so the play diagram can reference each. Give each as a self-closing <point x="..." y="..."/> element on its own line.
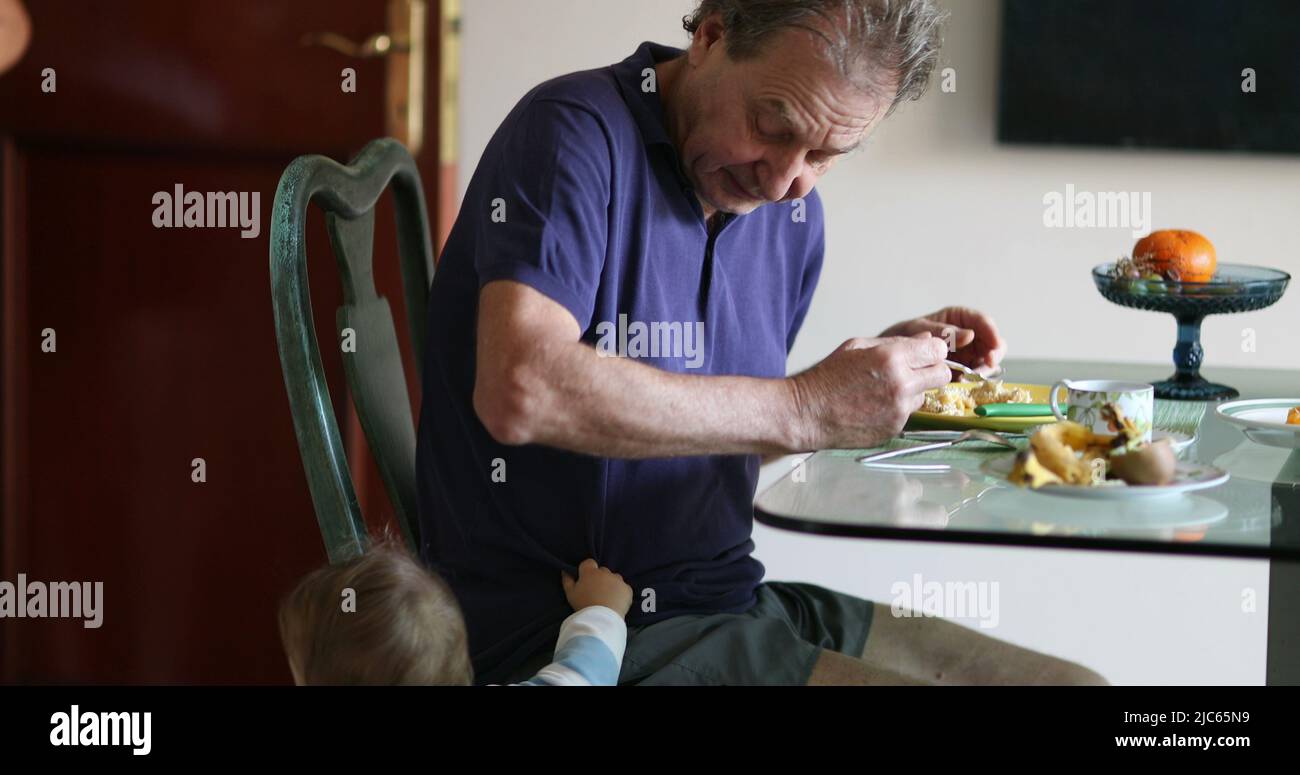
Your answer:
<point x="709" y="33"/>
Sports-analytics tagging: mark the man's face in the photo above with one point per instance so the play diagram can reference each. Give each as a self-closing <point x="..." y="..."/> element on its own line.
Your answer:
<point x="764" y="129"/>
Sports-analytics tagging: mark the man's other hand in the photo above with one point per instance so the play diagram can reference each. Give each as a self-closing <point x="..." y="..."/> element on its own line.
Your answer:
<point x="972" y="337"/>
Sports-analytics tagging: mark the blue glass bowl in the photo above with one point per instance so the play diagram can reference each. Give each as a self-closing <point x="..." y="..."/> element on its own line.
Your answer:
<point x="1234" y="288"/>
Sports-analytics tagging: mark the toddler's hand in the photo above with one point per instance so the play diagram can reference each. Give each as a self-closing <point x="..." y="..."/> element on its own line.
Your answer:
<point x="597" y="586"/>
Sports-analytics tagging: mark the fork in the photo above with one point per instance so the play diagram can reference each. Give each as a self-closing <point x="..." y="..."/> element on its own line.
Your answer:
<point x="973" y="434"/>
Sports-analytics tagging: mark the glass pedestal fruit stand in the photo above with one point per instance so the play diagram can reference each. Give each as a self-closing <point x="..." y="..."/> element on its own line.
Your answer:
<point x="1234" y="288"/>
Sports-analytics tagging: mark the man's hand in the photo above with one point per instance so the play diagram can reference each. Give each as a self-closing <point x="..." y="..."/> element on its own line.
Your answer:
<point x="863" y="393"/>
<point x="597" y="585"/>
<point x="972" y="336"/>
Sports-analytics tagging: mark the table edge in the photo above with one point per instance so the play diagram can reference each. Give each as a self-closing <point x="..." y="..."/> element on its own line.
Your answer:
<point x="840" y="530"/>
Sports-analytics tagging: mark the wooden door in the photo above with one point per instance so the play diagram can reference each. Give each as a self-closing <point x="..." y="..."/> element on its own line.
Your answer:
<point x="163" y="344"/>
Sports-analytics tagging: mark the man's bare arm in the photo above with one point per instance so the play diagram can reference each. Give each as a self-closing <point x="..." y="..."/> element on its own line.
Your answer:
<point x="537" y="383"/>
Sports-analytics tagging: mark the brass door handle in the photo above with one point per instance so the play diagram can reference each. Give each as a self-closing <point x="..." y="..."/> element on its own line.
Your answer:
<point x="377" y="45"/>
<point x="403" y="48"/>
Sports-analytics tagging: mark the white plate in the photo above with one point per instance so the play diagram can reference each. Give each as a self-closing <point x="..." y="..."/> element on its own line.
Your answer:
<point x="1179" y="441"/>
<point x="1188" y="477"/>
<point x="1263" y="420"/>
<point x="1135" y="514"/>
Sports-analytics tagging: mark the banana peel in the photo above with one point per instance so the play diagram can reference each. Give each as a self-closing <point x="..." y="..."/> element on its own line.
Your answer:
<point x="1029" y="472"/>
<point x="1057" y="447"/>
<point x="1067" y="453"/>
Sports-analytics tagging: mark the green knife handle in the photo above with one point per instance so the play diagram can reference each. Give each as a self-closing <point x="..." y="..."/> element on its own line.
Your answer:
<point x="1017" y="410"/>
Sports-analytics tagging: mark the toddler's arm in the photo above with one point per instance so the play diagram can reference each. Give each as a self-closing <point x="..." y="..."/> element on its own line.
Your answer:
<point x="589" y="651"/>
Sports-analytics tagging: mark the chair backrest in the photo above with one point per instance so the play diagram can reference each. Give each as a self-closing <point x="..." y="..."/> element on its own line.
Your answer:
<point x="371" y="358"/>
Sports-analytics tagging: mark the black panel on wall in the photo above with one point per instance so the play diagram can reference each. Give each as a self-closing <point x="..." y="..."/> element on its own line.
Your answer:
<point x="1155" y="73"/>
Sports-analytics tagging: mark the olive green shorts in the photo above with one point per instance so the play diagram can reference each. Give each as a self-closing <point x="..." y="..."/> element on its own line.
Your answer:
<point x="774" y="643"/>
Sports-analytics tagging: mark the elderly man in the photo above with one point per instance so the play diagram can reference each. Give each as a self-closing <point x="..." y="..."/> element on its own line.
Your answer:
<point x="618" y="217"/>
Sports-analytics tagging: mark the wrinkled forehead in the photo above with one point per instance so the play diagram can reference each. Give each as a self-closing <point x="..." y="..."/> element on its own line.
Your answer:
<point x="795" y="74"/>
<point x="792" y="87"/>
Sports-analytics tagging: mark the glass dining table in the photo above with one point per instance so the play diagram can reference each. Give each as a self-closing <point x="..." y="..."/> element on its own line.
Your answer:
<point x="957" y="498"/>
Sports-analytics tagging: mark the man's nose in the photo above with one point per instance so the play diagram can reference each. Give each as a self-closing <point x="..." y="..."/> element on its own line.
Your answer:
<point x="780" y="172"/>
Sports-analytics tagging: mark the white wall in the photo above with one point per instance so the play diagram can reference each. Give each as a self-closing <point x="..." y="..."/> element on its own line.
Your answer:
<point x="938" y="213"/>
<point x="510" y="46"/>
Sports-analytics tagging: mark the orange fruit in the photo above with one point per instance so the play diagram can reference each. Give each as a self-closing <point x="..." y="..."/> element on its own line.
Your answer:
<point x="1293" y="416"/>
<point x="1187" y="255"/>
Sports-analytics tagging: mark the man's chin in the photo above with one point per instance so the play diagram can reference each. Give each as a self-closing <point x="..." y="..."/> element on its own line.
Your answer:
<point x="732" y="206"/>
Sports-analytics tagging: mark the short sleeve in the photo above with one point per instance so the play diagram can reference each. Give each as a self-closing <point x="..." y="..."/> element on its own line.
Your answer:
<point x="545" y="200"/>
<point x="812" y="267"/>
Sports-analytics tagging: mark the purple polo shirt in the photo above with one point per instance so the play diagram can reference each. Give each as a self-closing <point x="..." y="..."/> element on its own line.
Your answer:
<point x="579" y="195"/>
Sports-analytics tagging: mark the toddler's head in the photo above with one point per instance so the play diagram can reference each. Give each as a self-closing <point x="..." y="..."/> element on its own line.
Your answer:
<point x="380" y="619"/>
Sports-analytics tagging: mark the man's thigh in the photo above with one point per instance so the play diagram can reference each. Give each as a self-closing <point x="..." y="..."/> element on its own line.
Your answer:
<point x="940" y="651"/>
<point x="717" y="650"/>
<point x="782" y="640"/>
<point x="777" y="642"/>
<point x="823" y="617"/>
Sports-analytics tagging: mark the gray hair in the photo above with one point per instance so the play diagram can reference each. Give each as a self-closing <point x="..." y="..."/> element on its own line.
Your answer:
<point x="869" y="41"/>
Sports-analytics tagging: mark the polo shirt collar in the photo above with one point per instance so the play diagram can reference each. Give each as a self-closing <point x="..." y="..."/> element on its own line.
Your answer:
<point x="647" y="107"/>
<point x="648" y="110"/>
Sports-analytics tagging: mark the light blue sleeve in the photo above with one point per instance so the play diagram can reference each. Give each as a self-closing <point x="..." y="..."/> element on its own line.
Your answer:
<point x="589" y="651"/>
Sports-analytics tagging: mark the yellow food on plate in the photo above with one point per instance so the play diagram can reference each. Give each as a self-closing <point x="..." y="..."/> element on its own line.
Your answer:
<point x="997" y="393"/>
<point x="1293" y="416"/>
<point x="959" y="401"/>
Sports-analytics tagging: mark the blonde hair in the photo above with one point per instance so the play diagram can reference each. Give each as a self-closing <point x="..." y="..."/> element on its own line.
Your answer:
<point x="403" y="626"/>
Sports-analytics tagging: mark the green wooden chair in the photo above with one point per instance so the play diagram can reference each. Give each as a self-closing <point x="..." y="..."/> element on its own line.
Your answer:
<point x="374" y="369"/>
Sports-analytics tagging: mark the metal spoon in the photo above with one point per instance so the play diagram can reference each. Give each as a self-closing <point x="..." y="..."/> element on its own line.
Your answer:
<point x="970" y="375"/>
<point x="978" y="435"/>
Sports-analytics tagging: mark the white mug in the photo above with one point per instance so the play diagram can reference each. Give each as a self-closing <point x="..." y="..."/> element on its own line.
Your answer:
<point x="1086" y="397"/>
